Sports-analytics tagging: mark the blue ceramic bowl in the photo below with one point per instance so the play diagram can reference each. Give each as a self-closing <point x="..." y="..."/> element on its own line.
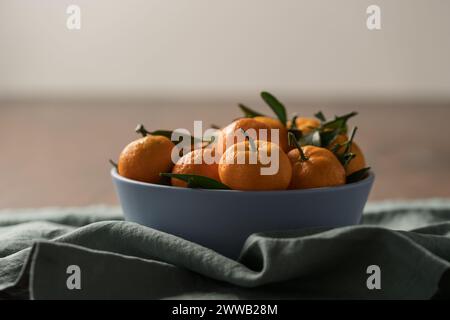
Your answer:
<point x="223" y="219"/>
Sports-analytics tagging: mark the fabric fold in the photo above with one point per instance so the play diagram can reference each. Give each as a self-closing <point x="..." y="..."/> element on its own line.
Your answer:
<point x="123" y="260"/>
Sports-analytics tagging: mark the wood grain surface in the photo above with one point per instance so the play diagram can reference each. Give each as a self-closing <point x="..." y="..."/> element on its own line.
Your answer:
<point x="56" y="153"/>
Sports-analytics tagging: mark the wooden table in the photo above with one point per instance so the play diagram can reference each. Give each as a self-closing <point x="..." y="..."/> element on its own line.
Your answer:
<point x="56" y="153"/>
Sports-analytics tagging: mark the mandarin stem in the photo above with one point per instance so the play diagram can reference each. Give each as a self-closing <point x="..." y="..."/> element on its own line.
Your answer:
<point x="350" y="141"/>
<point x="302" y="157"/>
<point x="253" y="147"/>
<point x="141" y="129"/>
<point x="113" y="163"/>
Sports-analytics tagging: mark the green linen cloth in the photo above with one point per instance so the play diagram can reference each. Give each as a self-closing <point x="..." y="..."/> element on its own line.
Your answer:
<point x="409" y="241"/>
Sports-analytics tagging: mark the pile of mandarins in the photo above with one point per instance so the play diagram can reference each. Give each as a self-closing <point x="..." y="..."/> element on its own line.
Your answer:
<point x="312" y="153"/>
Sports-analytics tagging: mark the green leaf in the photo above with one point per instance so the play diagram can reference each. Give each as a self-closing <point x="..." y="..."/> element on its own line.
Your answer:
<point x="350" y="141"/>
<point x="347" y="157"/>
<point x="319" y="115"/>
<point x="339" y="122"/>
<point x="164" y="133"/>
<point x="168" y="134"/>
<point x="358" y="175"/>
<point x="297" y="133"/>
<point x="165" y="181"/>
<point x="197" y="181"/>
<point x="249" y="113"/>
<point x="294" y="129"/>
<point x="292" y="139"/>
<point x="327" y="137"/>
<point x="294" y="122"/>
<point x="275" y="105"/>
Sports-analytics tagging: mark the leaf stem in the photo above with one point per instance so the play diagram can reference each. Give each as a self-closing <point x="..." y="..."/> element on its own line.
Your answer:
<point x="196" y="181"/>
<point x="319" y="115"/>
<point x="302" y="157"/>
<point x="276" y="106"/>
<point x="113" y="163"/>
<point x="350" y="141"/>
<point x="249" y="113"/>
<point x="141" y="130"/>
<point x="294" y="122"/>
<point x="252" y="143"/>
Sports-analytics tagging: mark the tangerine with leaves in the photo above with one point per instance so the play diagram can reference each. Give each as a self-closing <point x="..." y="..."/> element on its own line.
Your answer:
<point x="197" y="162"/>
<point x="315" y="167"/>
<point x="339" y="146"/>
<point x="305" y="124"/>
<point x="358" y="162"/>
<point x="328" y="157"/>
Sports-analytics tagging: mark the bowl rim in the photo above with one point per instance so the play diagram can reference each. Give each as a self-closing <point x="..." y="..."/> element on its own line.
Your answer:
<point x="368" y="180"/>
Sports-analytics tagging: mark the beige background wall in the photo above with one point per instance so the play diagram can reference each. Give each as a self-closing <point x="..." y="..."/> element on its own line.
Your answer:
<point x="179" y="48"/>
